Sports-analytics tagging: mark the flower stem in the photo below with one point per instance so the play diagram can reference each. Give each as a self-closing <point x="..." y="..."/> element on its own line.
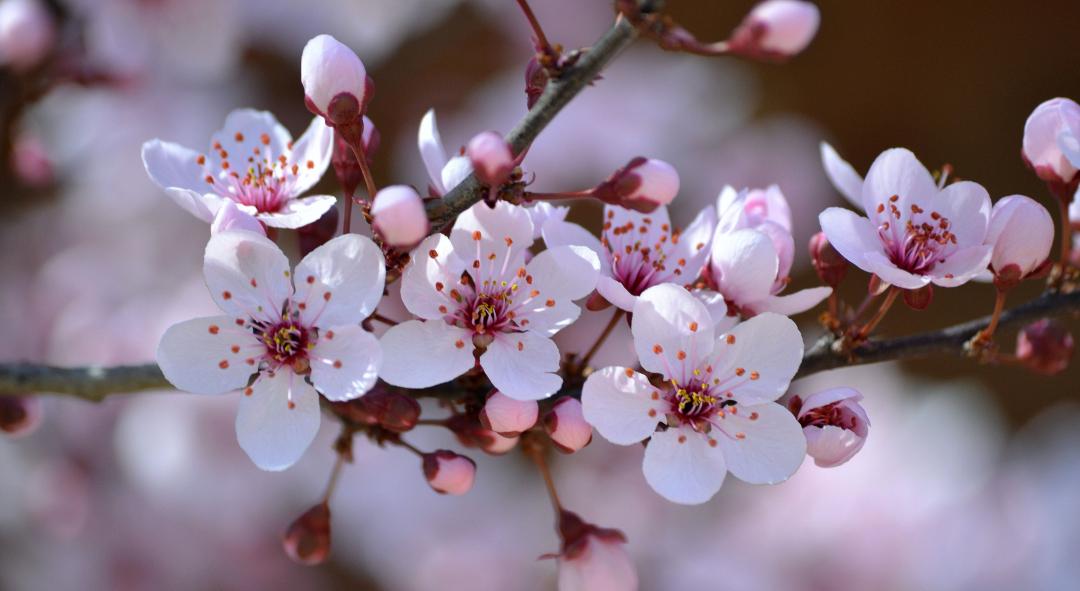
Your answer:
<point x="346" y="224"/>
<point x="1066" y="232"/>
<point x="600" y="340"/>
<point x="335" y="473"/>
<point x="535" y="450"/>
<point x="880" y="314"/>
<point x="987" y="333"/>
<point x="558" y="196"/>
<point x="369" y="180"/>
<point x="408" y="446"/>
<point x="541" y="40"/>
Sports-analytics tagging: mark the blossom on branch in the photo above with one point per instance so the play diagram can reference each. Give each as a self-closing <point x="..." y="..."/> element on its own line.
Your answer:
<point x="253" y="162"/>
<point x="285" y="337"/>
<point x="710" y="409"/>
<point x="834" y="423"/>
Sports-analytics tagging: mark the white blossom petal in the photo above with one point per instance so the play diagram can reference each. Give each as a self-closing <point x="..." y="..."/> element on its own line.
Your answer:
<point x="175" y="169"/>
<point x="793" y="303"/>
<point x="424" y="275"/>
<point x="345" y="362"/>
<point x="619" y="403"/>
<point x="198" y="355"/>
<point x="421" y="354"/>
<point x="431" y="150"/>
<point x="315" y="145"/>
<point x="494" y="226"/>
<point x="243" y="128"/>
<point x="247" y="275"/>
<point x="744" y="263"/>
<point x="682" y="466"/>
<point x="842" y="175"/>
<point x="523" y="365"/>
<point x="962" y="265"/>
<point x="672" y="330"/>
<point x="557" y="232"/>
<point x="278" y="420"/>
<point x="768" y="350"/>
<point x="565" y="272"/>
<point x="457" y="169"/>
<point x="616" y="293"/>
<point x="888" y="272"/>
<point x="852" y="235"/>
<point x="296" y="213"/>
<point x="762" y="443"/>
<point x="898" y="172"/>
<point x="340" y="282"/>
<point x="689" y="253"/>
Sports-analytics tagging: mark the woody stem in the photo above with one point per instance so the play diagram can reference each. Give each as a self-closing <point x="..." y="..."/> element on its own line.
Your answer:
<point x="880" y="314"/>
<point x="999" y="304"/>
<point x="535" y="451"/>
<point x="541" y="39"/>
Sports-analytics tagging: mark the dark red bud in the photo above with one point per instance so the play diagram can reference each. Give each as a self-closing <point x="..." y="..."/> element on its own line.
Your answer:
<point x="1045" y="346"/>
<point x="919" y="299"/>
<point x="390" y="410"/>
<point x="830" y="266"/>
<point x="307" y="541"/>
<point x="19" y="416"/>
<point x="1007" y="277"/>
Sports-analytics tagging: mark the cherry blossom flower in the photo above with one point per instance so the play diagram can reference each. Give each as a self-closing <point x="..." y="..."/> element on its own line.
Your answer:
<point x="917" y="233"/>
<point x="842" y="175"/>
<point x="834" y="423"/>
<point x="285" y="337"/>
<point x="1022" y="234"/>
<point x="328" y="70"/>
<point x="230" y="217"/>
<point x="1048" y="124"/>
<point x="714" y="404"/>
<point x="638" y="251"/>
<point x="752" y="253"/>
<point x="474" y="292"/>
<point x="593" y="558"/>
<point x="252" y="162"/>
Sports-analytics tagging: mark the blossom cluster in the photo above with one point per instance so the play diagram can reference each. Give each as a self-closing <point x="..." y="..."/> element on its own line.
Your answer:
<point x="365" y="324"/>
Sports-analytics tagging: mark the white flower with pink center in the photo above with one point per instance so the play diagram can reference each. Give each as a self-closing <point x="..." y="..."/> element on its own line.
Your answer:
<point x="915" y="232"/>
<point x="253" y="162"/>
<point x="708" y="406"/>
<point x="638" y="250"/>
<point x="752" y="254"/>
<point x="477" y="297"/>
<point x="285" y="338"/>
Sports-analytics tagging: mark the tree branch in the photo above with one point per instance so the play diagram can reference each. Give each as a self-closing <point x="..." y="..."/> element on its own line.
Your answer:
<point x="95" y="383"/>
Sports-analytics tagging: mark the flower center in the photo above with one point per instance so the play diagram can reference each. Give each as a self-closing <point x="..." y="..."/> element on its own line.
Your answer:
<point x="286" y="342"/>
<point x="696" y="402"/>
<point x="831" y="414"/>
<point x="924" y="242"/>
<point x="636" y="264"/>
<point x="266" y="182"/>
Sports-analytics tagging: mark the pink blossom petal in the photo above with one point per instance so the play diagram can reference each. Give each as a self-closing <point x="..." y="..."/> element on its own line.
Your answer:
<point x="962" y="266"/>
<point x="885" y="269"/>
<point x="897" y="172"/>
<point x="243" y="131"/>
<point x="852" y="235"/>
<point x="768" y="346"/>
<point x="830" y="396"/>
<point x="672" y="331"/>
<point x="842" y="175"/>
<point x="793" y="303"/>
<point x="431" y="149"/>
<point x="558" y="232"/>
<point x="523" y="365"/>
<point x="278" y="420"/>
<point x="345" y="362"/>
<point x="421" y="281"/>
<point x="967" y="207"/>
<point x="197" y="355"/>
<point x="329" y="68"/>
<point x="1022" y="233"/>
<point x="618" y="402"/>
<point x="693" y="247"/>
<point x="340" y="282"/>
<point x="771" y="447"/>
<point x="543" y="212"/>
<point x="315" y="145"/>
<point x="457" y="169"/>
<point x="247" y="275"/>
<point x="494" y="226"/>
<point x="230" y="217"/>
<point x="744" y="262"/>
<point x="831" y="446"/>
<point x="175" y="169"/>
<point x="565" y="272"/>
<point x="420" y="354"/>
<point x="616" y="293"/>
<point x="296" y="213"/>
<point x="681" y="466"/>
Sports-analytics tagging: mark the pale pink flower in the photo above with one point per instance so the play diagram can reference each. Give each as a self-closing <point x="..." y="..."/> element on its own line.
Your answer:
<point x="917" y="233"/>
<point x="285" y="337"/>
<point x="399" y="216"/>
<point x="566" y="425"/>
<point x="638" y="251"/>
<point x="449" y="473"/>
<point x="834" y="423"/>
<point x="27" y="33"/>
<point x="328" y="70"/>
<point x="1022" y="234"/>
<point x="842" y="175"/>
<point x="752" y="254"/>
<point x="1045" y="346"/>
<point x="780" y="28"/>
<point x="474" y="291"/>
<point x="593" y="558"/>
<point x="491" y="157"/>
<point x="230" y="217"/>
<point x="508" y="417"/>
<point x="715" y="407"/>
<point x="1042" y="132"/>
<point x="253" y="162"/>
<point x="445" y="172"/>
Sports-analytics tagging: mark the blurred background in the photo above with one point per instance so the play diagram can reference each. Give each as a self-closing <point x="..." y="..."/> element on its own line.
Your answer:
<point x="968" y="480"/>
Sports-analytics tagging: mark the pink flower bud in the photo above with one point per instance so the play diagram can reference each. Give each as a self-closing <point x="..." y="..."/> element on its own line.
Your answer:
<point x="30" y="162"/>
<point x="470" y="433"/>
<point x="27" y="33"/>
<point x="508" y="417"/>
<point x="1022" y="233"/>
<point x="346" y="168"/>
<point x="565" y="424"/>
<point x="1041" y="149"/>
<point x="230" y="217"/>
<point x="328" y="69"/>
<point x="19" y="416"/>
<point x="491" y="158"/>
<point x="834" y="423"/>
<point x="593" y="558"/>
<point x="1045" y="346"/>
<point x="399" y="216"/>
<point x="830" y="266"/>
<point x="642" y="185"/>
<point x="449" y="473"/>
<point x="776" y="29"/>
<point x="307" y="541"/>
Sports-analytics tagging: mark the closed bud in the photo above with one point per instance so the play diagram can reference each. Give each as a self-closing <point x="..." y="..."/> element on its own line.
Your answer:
<point x="1045" y="346"/>
<point x="593" y="558"/>
<point x="471" y="433"/>
<point x="491" y="158"/>
<point x="27" y="33"/>
<point x="230" y="217"/>
<point x="346" y="168"/>
<point x="1041" y="147"/>
<point x="919" y="299"/>
<point x="565" y="424"/>
<point x="834" y="423"/>
<point x="307" y="541"/>
<point x="399" y="216"/>
<point x="449" y="473"/>
<point x="329" y="70"/>
<point x="829" y="265"/>
<point x="19" y="416"/>
<point x="776" y="29"/>
<point x="642" y="185"/>
<point x="388" y="409"/>
<point x="508" y="417"/>
<point x="1022" y="233"/>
